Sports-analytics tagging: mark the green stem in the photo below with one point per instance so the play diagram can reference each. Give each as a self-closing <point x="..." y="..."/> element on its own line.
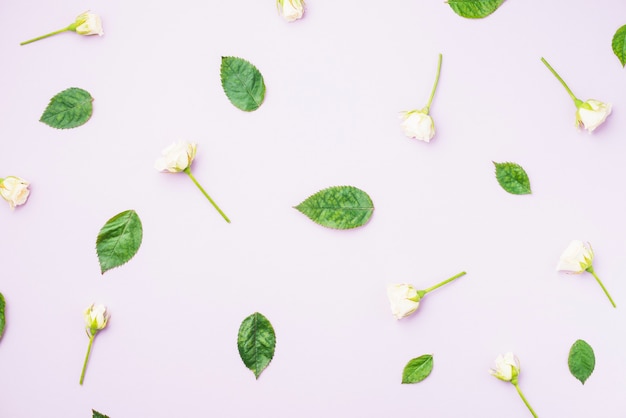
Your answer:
<point x="430" y="289"/>
<point x="530" y="408"/>
<point x="606" y="292"/>
<point x="432" y="93"/>
<point x="576" y="100"/>
<point x="188" y="171"/>
<point x="56" y="32"/>
<point x="82" y="374"/>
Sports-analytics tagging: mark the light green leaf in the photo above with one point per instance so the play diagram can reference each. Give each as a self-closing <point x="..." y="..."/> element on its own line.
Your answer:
<point x="242" y="83"/>
<point x="256" y="343"/>
<point x="619" y="45"/>
<point x="417" y="369"/>
<point x="474" y="9"/>
<point x="338" y="207"/>
<point x="512" y="178"/>
<point x="2" y="315"/>
<point x="581" y="360"/>
<point x="97" y="414"/>
<point x="68" y="109"/>
<point x="119" y="240"/>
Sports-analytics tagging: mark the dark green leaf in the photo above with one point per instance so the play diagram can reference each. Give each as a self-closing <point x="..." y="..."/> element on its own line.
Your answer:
<point x="338" y="207"/>
<point x="512" y="178"/>
<point x="242" y="83"/>
<point x="474" y="9"/>
<point x="256" y="342"/>
<point x="619" y="44"/>
<point x="68" y="109"/>
<point x="581" y="360"/>
<point x="2" y="315"/>
<point x="119" y="240"/>
<point x="97" y="414"/>
<point x="417" y="369"/>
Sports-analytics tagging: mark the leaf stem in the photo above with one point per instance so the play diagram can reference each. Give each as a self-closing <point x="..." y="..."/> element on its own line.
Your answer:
<point x="82" y="374"/>
<point x="188" y="171"/>
<point x="432" y="93"/>
<point x="430" y="289"/>
<point x="606" y="292"/>
<point x="530" y="408"/>
<point x="56" y="32"/>
<point x="576" y="100"/>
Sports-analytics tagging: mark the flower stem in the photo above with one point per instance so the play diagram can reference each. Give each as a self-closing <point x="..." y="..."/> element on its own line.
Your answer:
<point x="432" y="93"/>
<point x="430" y="289"/>
<point x="530" y="408"/>
<point x="606" y="292"/>
<point x="56" y="32"/>
<point x="188" y="171"/>
<point x="576" y="100"/>
<point x="82" y="374"/>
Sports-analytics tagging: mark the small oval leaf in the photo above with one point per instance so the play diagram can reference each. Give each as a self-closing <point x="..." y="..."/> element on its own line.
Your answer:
<point x="512" y="178"/>
<point x="2" y="315"/>
<point x="97" y="414"/>
<point x="119" y="240"/>
<point x="417" y="369"/>
<point x="474" y="9"/>
<point x="338" y="207"/>
<point x="256" y="343"/>
<point x="243" y="83"/>
<point x="69" y="109"/>
<point x="581" y="360"/>
<point x="619" y="45"/>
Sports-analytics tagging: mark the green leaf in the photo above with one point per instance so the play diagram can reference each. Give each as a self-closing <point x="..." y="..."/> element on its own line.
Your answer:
<point x="417" y="369"/>
<point x="512" y="178"/>
<point x="474" y="9"/>
<point x="338" y="207"/>
<point x="581" y="360"/>
<point x="119" y="240"/>
<point x="97" y="414"/>
<point x="68" y="109"/>
<point x="256" y="343"/>
<point x="242" y="83"/>
<point x="619" y="45"/>
<point x="2" y="317"/>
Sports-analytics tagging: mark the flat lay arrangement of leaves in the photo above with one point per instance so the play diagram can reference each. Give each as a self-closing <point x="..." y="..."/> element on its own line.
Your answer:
<point x="332" y="210"/>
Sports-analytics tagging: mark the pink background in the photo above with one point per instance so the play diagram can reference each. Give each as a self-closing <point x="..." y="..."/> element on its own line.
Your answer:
<point x="336" y="81"/>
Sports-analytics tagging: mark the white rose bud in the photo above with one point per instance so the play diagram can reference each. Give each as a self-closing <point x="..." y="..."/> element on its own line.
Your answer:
<point x="88" y="24"/>
<point x="14" y="190"/>
<point x="96" y="318"/>
<point x="290" y="10"/>
<point x="577" y="258"/>
<point x="591" y="114"/>
<point x="507" y="368"/>
<point x="418" y="124"/>
<point x="403" y="298"/>
<point x="177" y="157"/>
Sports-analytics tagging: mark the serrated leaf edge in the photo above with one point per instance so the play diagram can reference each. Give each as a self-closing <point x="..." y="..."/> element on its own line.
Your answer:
<point x="59" y="93"/>
<point x="256" y="365"/>
<point x="476" y="17"/>
<point x="431" y="359"/>
<point x="613" y="42"/>
<point x="258" y="105"/>
<point x="584" y="343"/>
<point x="98" y="239"/>
<point x="495" y="164"/>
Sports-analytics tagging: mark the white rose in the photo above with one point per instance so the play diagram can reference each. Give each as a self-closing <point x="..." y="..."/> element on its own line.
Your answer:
<point x="14" y="190"/>
<point x="96" y="318"/>
<point x="177" y="157"/>
<point x="507" y="367"/>
<point x="578" y="257"/>
<point x="592" y="114"/>
<point x="418" y="124"/>
<point x="403" y="298"/>
<point x="88" y="24"/>
<point x="290" y="10"/>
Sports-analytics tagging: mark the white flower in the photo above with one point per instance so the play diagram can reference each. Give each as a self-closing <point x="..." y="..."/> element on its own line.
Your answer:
<point x="14" y="190"/>
<point x="290" y="10"/>
<point x="591" y="114"/>
<point x="418" y="124"/>
<point x="507" y="368"/>
<point x="177" y="157"/>
<point x="96" y="318"/>
<point x="88" y="24"/>
<point x="578" y="257"/>
<point x="403" y="298"/>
